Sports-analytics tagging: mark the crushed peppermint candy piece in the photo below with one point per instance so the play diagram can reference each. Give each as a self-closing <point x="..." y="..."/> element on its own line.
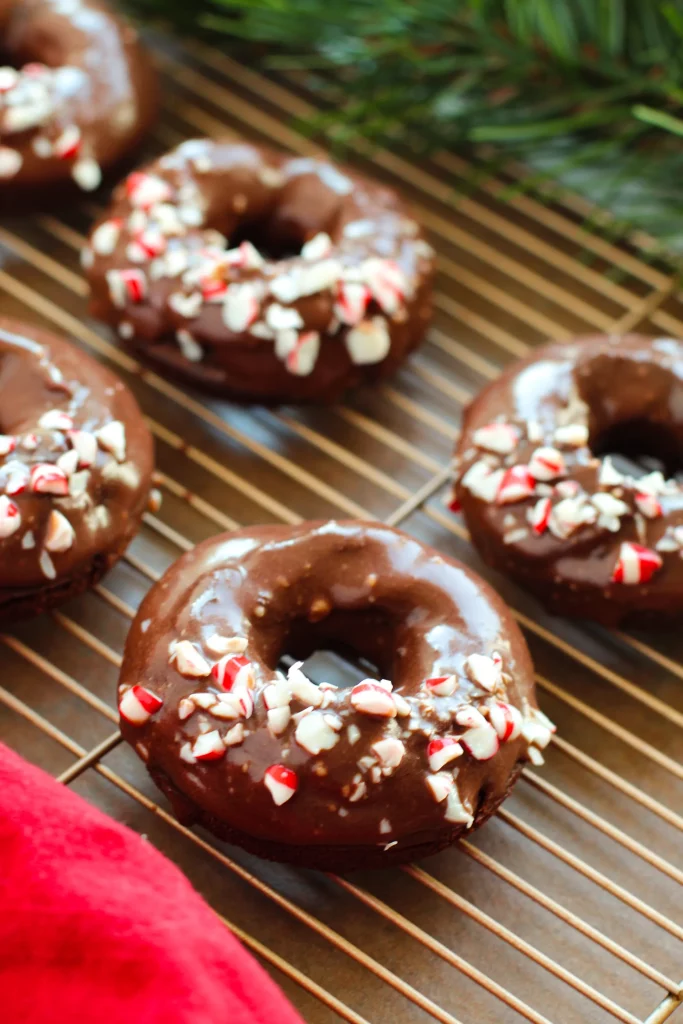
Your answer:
<point x="635" y="564"/>
<point x="233" y="672"/>
<point x="537" y="729"/>
<point x="369" y="341"/>
<point x="387" y="282"/>
<point x="10" y="162"/>
<point x="301" y="359"/>
<point x="281" y="783"/>
<point x="517" y="484"/>
<point x="87" y="174"/>
<point x="10" y="517"/>
<point x="106" y="235"/>
<point x="138" y="705"/>
<point x="129" y="285"/>
<point x="48" y="479"/>
<point x="480" y="739"/>
<point x="315" y="733"/>
<point x="485" y="671"/>
<point x="85" y="445"/>
<point x="547" y="464"/>
<point x="55" y="419"/>
<point x="569" y="515"/>
<point x="282" y="318"/>
<point x="456" y="811"/>
<point x="60" y="534"/>
<point x="7" y="444"/>
<point x="539" y="515"/>
<point x="389" y="752"/>
<point x="188" y="660"/>
<point x="439" y="785"/>
<point x="219" y="645"/>
<point x="278" y="719"/>
<point x="112" y="437"/>
<point x="501" y="438"/>
<point x="483" y="481"/>
<point x="301" y="687"/>
<point x="506" y="719"/>
<point x="351" y="302"/>
<point x="318" y="247"/>
<point x="371" y="698"/>
<point x="240" y="307"/>
<point x="575" y="435"/>
<point x="67" y="143"/>
<point x="209" y="746"/>
<point x="146" y="190"/>
<point x="609" y="476"/>
<point x="442" y="686"/>
<point x="234" y="736"/>
<point x="441" y="751"/>
<point x="648" y="504"/>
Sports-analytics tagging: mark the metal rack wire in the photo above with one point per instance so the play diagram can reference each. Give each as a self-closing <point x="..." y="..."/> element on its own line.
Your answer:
<point x="568" y="906"/>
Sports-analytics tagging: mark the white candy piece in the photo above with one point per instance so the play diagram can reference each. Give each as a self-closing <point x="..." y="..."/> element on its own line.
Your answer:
<point x="112" y="437"/>
<point x="188" y="660"/>
<point x="10" y="517"/>
<point x="60" y="534"/>
<point x="389" y="752"/>
<point x="500" y="438"/>
<point x="369" y="342"/>
<point x="278" y="719"/>
<point x="484" y="671"/>
<point x="314" y="733"/>
<point x="456" y="810"/>
<point x="302" y="688"/>
<point x="439" y="786"/>
<point x="318" y="247"/>
<point x="575" y="435"/>
<point x="220" y="645"/>
<point x="482" y="481"/>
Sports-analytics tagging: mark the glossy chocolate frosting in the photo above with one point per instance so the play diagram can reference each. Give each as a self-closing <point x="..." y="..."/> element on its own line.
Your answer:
<point x="84" y="94"/>
<point x="414" y="613"/>
<point x="75" y="468"/>
<point x="595" y="539"/>
<point x="170" y="265"/>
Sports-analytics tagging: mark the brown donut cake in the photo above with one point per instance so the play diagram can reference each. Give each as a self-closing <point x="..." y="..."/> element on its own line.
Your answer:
<point x="75" y="469"/>
<point x="261" y="276"/>
<point x="544" y="500"/>
<point x="79" y="97"/>
<point x="316" y="775"/>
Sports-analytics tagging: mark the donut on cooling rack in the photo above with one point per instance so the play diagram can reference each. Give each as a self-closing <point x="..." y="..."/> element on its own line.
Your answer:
<point x="332" y="778"/>
<point x="75" y="469"/>
<point x="548" y="497"/>
<point x="259" y="276"/>
<point x="79" y="97"/>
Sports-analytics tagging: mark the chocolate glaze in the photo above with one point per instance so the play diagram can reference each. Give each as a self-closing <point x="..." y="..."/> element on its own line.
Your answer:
<point x="630" y="386"/>
<point x="415" y="613"/>
<point x="243" y="191"/>
<point x="107" y="88"/>
<point x="40" y="372"/>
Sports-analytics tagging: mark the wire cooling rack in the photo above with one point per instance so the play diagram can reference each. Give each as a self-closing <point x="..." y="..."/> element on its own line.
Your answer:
<point x="568" y="906"/>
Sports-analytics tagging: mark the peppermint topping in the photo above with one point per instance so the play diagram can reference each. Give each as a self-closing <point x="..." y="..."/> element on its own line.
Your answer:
<point x="501" y="438"/>
<point x="209" y="746"/>
<point x="547" y="464"/>
<point x="441" y="751"/>
<point x="485" y="671"/>
<point x="10" y="517"/>
<point x="635" y="564"/>
<point x="281" y="783"/>
<point x="138" y="704"/>
<point x="442" y="686"/>
<point x="371" y="698"/>
<point x="188" y="660"/>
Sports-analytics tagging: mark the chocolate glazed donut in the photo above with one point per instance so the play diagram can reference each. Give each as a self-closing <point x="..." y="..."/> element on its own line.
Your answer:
<point x="544" y="500"/>
<point x="259" y="276"/>
<point x="83" y="95"/>
<point x="331" y="778"/>
<point x="75" y="468"/>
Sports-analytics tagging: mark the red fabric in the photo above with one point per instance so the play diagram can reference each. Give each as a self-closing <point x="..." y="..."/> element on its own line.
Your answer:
<point x="97" y="927"/>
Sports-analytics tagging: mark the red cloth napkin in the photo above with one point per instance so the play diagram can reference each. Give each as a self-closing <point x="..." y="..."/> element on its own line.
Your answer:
<point x="97" y="927"/>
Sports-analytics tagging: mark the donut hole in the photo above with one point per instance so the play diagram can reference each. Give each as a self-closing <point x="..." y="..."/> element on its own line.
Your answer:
<point x="274" y="239"/>
<point x="343" y="648"/>
<point x="639" y="446"/>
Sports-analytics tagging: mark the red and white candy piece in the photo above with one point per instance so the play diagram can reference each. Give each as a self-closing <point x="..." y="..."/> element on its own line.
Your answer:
<point x="480" y="739"/>
<point x="574" y="435"/>
<point x="55" y="419"/>
<point x="8" y="78"/>
<point x="146" y="245"/>
<point x="106" y="235"/>
<point x="60" y="534"/>
<point x="126" y="286"/>
<point x="368" y="342"/>
<point x="482" y="481"/>
<point x="233" y="671"/>
<point x="7" y="444"/>
<point x="387" y="283"/>
<point x="301" y="359"/>
<point x="10" y="517"/>
<point x="188" y="660"/>
<point x="85" y="445"/>
<point x="18" y="479"/>
<point x="351" y="303"/>
<point x="539" y="515"/>
<point x="213" y="288"/>
<point x="300" y="686"/>
<point x="439" y="786"/>
<point x="112" y="437"/>
<point x="547" y="464"/>
<point x="138" y="705"/>
<point x="635" y="564"/>
<point x="209" y="746"/>
<point x="485" y="671"/>
<point x="10" y="162"/>
<point x="145" y="190"/>
<point x="245" y="256"/>
<point x="369" y="697"/>
<point x="316" y="732"/>
<point x="442" y="686"/>
<point x="240" y="307"/>
<point x="441" y="751"/>
<point x="506" y="719"/>
<point x="649" y="505"/>
<point x="318" y="247"/>
<point x="48" y="479"/>
<point x="68" y="143"/>
<point x="389" y="752"/>
<point x="517" y="484"/>
<point x="281" y="782"/>
<point x="500" y="438"/>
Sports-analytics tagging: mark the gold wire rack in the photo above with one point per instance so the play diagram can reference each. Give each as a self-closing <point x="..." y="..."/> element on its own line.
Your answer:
<point x="568" y="906"/>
